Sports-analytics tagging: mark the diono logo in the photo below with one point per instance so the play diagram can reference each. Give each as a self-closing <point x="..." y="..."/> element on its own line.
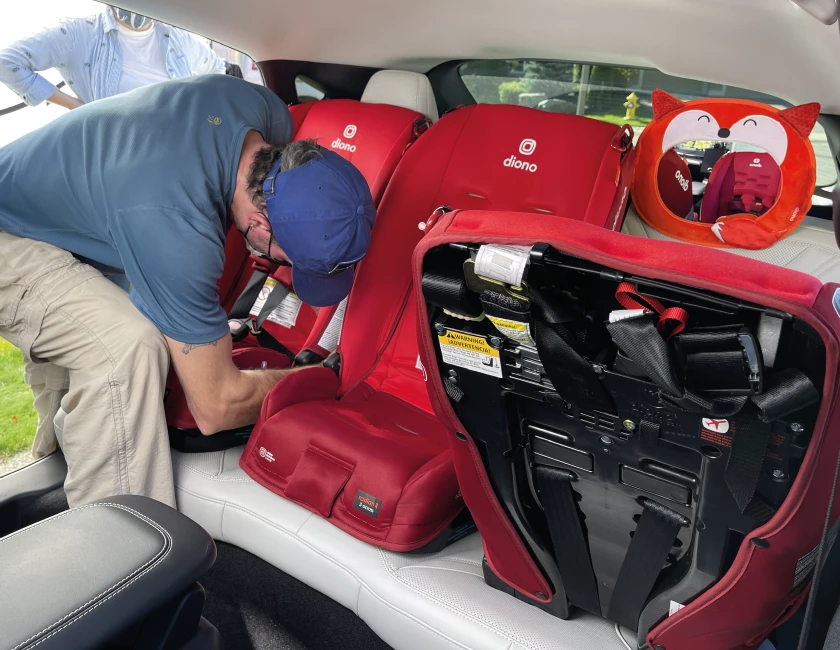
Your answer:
<point x="344" y="146"/>
<point x="526" y="148"/>
<point x="682" y="180"/>
<point x="349" y="130"/>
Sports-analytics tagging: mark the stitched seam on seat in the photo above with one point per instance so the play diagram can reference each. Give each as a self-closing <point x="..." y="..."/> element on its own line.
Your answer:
<point x="438" y="568"/>
<point x="347" y="570"/>
<point x="396" y="576"/>
<point x="126" y="581"/>
<point x="212" y="477"/>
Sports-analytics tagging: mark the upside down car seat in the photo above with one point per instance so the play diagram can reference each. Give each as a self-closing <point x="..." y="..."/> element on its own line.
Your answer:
<point x="651" y="436"/>
<point x="274" y="325"/>
<point x="364" y="449"/>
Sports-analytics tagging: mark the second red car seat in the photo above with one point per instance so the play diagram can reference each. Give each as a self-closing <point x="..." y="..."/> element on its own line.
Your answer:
<point x="364" y="449"/>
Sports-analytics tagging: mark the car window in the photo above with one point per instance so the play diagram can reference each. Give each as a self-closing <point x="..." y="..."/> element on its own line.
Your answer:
<point x="308" y="90"/>
<point x="22" y="32"/>
<point x="603" y="92"/>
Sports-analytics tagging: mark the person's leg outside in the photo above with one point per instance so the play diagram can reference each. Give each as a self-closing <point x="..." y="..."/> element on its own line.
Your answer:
<point x="62" y="311"/>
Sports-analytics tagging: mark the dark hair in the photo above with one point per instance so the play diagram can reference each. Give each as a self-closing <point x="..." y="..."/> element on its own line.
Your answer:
<point x="291" y="155"/>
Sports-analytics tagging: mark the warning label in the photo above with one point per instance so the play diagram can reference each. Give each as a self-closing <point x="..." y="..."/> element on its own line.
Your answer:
<point x="470" y="352"/>
<point x="332" y="335"/>
<point x="285" y="313"/>
<point x="514" y="330"/>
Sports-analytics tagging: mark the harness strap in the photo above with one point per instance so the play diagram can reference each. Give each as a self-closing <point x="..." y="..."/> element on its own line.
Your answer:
<point x="671" y="321"/>
<point x="571" y="551"/>
<point x="242" y="307"/>
<point x="648" y="551"/>
<point x="571" y="375"/>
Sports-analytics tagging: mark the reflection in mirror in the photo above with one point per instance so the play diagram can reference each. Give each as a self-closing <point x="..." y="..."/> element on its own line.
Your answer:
<point x="704" y="180"/>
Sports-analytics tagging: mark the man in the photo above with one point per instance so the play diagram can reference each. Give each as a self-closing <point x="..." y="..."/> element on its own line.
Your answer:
<point x="147" y="183"/>
<point x="103" y="55"/>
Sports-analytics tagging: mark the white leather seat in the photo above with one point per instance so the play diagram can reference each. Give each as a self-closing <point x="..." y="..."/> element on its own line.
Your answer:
<point x="410" y="90"/>
<point x="414" y="602"/>
<point x="810" y="248"/>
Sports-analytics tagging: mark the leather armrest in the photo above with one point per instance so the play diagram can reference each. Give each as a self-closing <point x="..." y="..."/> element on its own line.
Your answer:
<point x="78" y="579"/>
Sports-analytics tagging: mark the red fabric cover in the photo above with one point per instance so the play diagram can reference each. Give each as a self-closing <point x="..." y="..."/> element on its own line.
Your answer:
<point x="371" y="136"/>
<point x="460" y="162"/>
<point x="299" y="113"/>
<point x="738" y="182"/>
<point x="755" y="595"/>
<point x="674" y="181"/>
<point x="175" y="401"/>
<point x="781" y="132"/>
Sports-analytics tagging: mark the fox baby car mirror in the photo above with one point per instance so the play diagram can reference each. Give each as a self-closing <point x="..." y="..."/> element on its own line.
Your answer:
<point x="724" y="172"/>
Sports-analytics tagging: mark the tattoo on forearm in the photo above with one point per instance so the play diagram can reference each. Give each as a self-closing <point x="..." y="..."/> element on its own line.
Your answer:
<point x="189" y="347"/>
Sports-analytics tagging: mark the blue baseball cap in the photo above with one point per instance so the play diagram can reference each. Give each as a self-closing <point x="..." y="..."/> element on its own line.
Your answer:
<point x="321" y="214"/>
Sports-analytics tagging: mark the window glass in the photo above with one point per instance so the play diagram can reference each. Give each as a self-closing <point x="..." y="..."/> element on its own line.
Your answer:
<point x="601" y="92"/>
<point x="308" y="90"/>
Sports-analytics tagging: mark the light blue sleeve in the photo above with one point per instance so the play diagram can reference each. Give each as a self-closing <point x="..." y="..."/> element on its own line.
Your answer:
<point x="202" y="59"/>
<point x="21" y="61"/>
<point x="173" y="261"/>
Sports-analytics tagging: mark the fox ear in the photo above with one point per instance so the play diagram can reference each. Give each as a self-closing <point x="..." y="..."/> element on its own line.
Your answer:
<point x="663" y="103"/>
<point x="801" y="118"/>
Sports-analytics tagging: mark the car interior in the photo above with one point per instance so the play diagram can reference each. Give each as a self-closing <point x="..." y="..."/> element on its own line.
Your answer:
<point x="539" y="421"/>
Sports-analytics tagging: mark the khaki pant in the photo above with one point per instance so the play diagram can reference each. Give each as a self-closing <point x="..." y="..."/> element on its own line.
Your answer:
<point x="90" y="352"/>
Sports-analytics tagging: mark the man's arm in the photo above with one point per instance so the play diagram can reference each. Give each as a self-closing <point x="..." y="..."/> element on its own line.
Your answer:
<point x="63" y="99"/>
<point x="220" y="395"/>
<point x="21" y="61"/>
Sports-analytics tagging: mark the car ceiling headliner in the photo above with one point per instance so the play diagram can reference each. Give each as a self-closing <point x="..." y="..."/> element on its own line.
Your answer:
<point x="771" y="46"/>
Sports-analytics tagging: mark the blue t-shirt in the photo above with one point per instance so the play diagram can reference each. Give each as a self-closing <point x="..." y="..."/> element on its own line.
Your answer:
<point x="143" y="182"/>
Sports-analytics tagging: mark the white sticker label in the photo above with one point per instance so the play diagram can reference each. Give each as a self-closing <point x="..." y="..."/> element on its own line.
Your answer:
<point x="674" y="608"/>
<point x="470" y="352"/>
<point x="332" y="335"/>
<point x="514" y="330"/>
<point x="285" y="313"/>
<point x="718" y="426"/>
<point x="505" y="263"/>
<point x="624" y="314"/>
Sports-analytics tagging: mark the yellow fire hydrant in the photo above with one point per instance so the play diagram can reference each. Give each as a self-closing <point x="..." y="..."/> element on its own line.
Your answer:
<point x="632" y="104"/>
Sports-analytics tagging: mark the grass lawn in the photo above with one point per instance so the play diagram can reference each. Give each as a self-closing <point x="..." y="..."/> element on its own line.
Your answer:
<point x="17" y="417"/>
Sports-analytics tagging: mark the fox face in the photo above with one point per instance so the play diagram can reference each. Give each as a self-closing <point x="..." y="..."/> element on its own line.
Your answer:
<point x="783" y="134"/>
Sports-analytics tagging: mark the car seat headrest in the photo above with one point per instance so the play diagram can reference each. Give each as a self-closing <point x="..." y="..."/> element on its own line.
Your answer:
<point x="517" y="158"/>
<point x="410" y="90"/>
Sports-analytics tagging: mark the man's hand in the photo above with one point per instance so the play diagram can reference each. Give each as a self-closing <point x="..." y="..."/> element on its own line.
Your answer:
<point x="63" y="99"/>
<point x="220" y="395"/>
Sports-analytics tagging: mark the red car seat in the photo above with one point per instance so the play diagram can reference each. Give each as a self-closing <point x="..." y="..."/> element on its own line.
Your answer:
<point x="373" y="137"/>
<point x="743" y="595"/>
<point x="742" y="182"/>
<point x="364" y="449"/>
<point x="673" y="179"/>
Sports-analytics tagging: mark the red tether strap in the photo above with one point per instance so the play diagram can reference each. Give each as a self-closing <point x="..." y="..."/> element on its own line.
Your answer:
<point x="671" y="320"/>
